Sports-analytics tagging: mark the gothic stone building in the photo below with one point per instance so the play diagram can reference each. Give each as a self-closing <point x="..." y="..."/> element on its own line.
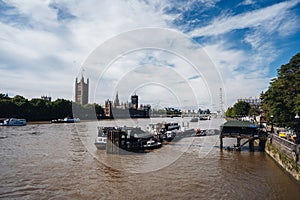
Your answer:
<point x="82" y="91"/>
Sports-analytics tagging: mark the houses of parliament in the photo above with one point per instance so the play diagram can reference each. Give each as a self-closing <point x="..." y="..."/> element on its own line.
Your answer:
<point x="115" y="109"/>
<point x="112" y="109"/>
<point x="81" y="91"/>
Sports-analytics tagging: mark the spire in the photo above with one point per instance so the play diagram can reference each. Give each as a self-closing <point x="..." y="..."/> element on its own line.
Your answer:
<point x="82" y="72"/>
<point x="117" y="102"/>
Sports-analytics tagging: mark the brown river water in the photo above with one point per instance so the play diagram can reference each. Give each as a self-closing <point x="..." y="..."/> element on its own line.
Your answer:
<point x="60" y="161"/>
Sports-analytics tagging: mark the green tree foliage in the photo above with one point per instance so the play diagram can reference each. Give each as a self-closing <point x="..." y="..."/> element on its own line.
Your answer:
<point x="239" y="109"/>
<point x="19" y="100"/>
<point x="230" y="112"/>
<point x="42" y="110"/>
<point x="207" y="111"/>
<point x="4" y="96"/>
<point x="173" y="111"/>
<point x="99" y="110"/>
<point x="159" y="111"/>
<point x="254" y="111"/>
<point x="282" y="99"/>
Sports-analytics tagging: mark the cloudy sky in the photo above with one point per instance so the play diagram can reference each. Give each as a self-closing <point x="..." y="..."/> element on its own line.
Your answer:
<point x="172" y="52"/>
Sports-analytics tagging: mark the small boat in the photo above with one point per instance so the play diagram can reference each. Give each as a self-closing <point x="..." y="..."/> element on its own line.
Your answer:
<point x="172" y="126"/>
<point x="101" y="139"/>
<point x="205" y="118"/>
<point x="100" y="142"/>
<point x="13" y="122"/>
<point x="66" y="120"/>
<point x="199" y="132"/>
<point x="154" y="128"/>
<point x="169" y="136"/>
<point x="194" y="119"/>
<point x="152" y="144"/>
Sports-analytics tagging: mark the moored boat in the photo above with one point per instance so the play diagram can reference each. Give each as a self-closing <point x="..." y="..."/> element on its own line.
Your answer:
<point x="100" y="142"/>
<point x="101" y="139"/>
<point x="131" y="139"/>
<point x="194" y="119"/>
<point x="152" y="144"/>
<point x="205" y="117"/>
<point x="199" y="132"/>
<point x="13" y="122"/>
<point x="66" y="120"/>
<point x="171" y="126"/>
<point x="169" y="136"/>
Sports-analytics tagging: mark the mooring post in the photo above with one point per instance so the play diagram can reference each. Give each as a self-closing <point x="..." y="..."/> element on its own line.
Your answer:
<point x="251" y="145"/>
<point x="238" y="142"/>
<point x="221" y="142"/>
<point x="262" y="144"/>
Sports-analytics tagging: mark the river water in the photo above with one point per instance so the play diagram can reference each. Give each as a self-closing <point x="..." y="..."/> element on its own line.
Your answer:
<point x="60" y="161"/>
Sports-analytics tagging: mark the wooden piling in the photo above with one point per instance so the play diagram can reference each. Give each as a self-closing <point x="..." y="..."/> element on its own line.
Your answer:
<point x="113" y="142"/>
<point x="251" y="145"/>
<point x="262" y="144"/>
<point x="221" y="142"/>
<point x="238" y="142"/>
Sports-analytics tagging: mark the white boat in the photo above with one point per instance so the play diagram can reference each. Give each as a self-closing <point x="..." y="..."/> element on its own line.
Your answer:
<point x="205" y="117"/>
<point x="101" y="139"/>
<point x="152" y="144"/>
<point x="100" y="142"/>
<point x="169" y="135"/>
<point x="14" y="122"/>
<point x="154" y="128"/>
<point x="66" y="120"/>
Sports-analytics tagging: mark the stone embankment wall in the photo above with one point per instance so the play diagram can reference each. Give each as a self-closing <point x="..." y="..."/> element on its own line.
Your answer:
<point x="285" y="153"/>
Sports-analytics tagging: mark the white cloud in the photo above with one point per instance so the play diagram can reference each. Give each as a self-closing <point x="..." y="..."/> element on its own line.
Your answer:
<point x="265" y="17"/>
<point x="245" y="71"/>
<point x="154" y="56"/>
<point x="48" y="46"/>
<point x="42" y="55"/>
<point x="247" y="2"/>
<point x="241" y="76"/>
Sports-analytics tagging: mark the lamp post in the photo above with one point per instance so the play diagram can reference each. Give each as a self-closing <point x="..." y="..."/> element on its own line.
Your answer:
<point x="272" y="125"/>
<point x="297" y="129"/>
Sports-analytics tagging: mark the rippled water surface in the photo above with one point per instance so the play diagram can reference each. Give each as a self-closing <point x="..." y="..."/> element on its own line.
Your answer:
<point x="60" y="161"/>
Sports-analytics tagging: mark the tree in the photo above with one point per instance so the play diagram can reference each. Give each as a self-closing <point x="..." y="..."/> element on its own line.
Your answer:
<point x="254" y="111"/>
<point x="43" y="110"/>
<point x="173" y="111"/>
<point x="282" y="99"/>
<point x="241" y="108"/>
<point x="207" y="111"/>
<point x="230" y="112"/>
<point x="18" y="100"/>
<point x="99" y="110"/>
<point x="3" y="96"/>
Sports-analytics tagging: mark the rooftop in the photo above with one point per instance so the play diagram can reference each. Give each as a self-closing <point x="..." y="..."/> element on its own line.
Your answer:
<point x="239" y="124"/>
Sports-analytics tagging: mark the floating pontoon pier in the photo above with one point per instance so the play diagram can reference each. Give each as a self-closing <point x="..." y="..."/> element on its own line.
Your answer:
<point x="243" y="130"/>
<point x="126" y="139"/>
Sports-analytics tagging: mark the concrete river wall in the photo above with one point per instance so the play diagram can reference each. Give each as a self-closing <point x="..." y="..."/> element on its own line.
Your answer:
<point x="285" y="153"/>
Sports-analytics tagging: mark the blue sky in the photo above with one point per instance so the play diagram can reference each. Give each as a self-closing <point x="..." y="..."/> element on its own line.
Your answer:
<point x="44" y="45"/>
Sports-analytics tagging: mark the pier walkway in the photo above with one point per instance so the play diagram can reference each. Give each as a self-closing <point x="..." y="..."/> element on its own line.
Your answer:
<point x="243" y="130"/>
